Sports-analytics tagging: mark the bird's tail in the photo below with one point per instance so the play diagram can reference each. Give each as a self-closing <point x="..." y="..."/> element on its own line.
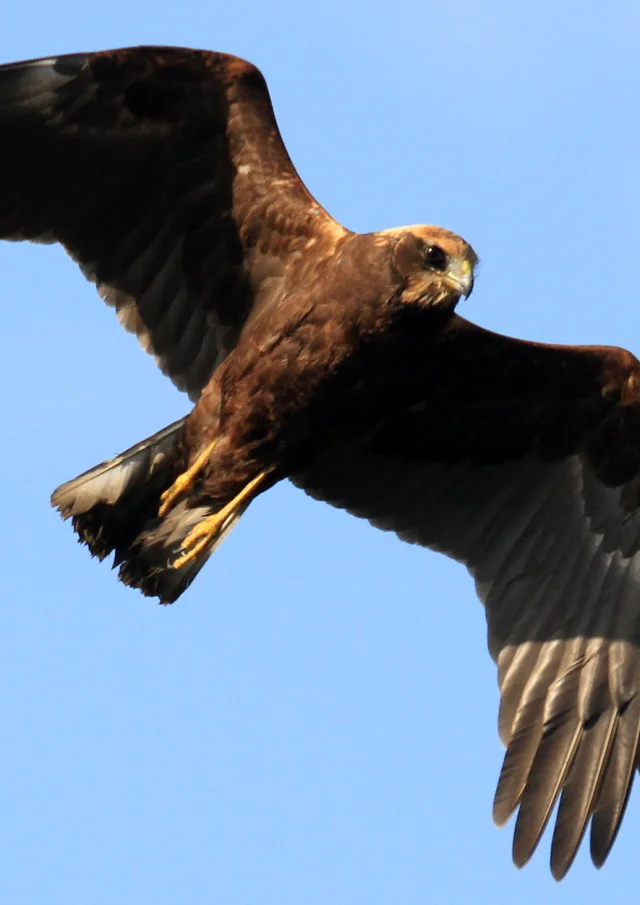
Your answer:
<point x="114" y="509"/>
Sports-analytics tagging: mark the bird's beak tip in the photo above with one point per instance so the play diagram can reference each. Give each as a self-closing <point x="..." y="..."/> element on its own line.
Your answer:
<point x="461" y="278"/>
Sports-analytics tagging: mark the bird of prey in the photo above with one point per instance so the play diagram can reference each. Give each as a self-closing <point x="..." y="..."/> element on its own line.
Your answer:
<point x="336" y="359"/>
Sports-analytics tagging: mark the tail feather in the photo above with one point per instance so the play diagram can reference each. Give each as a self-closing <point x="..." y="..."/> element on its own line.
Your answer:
<point x="112" y="480"/>
<point x="147" y="565"/>
<point x="114" y="509"/>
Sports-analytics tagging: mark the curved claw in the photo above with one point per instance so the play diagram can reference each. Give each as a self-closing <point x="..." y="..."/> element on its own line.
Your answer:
<point x="207" y="531"/>
<point x="184" y="481"/>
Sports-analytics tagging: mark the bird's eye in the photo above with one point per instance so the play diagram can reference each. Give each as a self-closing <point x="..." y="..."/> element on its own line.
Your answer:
<point x="435" y="258"/>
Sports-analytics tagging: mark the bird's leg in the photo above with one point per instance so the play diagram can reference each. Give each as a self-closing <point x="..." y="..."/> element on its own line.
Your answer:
<point x="206" y="531"/>
<point x="184" y="481"/>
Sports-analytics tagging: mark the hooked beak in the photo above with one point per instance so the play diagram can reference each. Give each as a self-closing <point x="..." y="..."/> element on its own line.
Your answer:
<point x="460" y="276"/>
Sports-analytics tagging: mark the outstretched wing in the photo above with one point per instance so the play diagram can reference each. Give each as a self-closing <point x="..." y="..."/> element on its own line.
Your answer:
<point x="523" y="462"/>
<point x="163" y="174"/>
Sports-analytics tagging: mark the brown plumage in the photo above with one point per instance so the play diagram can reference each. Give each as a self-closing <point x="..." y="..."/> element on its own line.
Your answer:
<point x="336" y="360"/>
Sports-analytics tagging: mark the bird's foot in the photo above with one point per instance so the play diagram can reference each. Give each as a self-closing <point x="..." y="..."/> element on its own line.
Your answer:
<point x="208" y="530"/>
<point x="184" y="481"/>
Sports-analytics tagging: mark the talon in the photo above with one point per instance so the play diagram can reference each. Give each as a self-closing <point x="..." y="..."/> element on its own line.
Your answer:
<point x="200" y="537"/>
<point x="184" y="481"/>
<point x="208" y="530"/>
<point x="171" y="496"/>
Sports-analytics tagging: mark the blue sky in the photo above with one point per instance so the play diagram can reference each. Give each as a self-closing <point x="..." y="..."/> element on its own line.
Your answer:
<point x="315" y="721"/>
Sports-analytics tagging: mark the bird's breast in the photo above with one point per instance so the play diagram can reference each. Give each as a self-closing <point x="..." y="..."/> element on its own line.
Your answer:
<point x="322" y="380"/>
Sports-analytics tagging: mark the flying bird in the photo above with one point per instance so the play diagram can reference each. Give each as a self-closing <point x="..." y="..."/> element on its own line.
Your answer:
<point x="336" y="359"/>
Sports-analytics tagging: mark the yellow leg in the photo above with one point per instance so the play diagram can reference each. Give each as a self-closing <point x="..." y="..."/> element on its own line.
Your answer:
<point x="184" y="481"/>
<point x="206" y="531"/>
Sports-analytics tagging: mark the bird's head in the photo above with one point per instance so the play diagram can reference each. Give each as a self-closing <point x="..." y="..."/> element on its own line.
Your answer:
<point x="435" y="266"/>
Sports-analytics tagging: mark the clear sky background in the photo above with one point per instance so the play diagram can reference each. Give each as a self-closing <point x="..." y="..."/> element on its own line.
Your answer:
<point x="314" y="723"/>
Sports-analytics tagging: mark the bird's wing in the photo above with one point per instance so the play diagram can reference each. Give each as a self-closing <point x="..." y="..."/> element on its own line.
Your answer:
<point x="523" y="462"/>
<point x="163" y="174"/>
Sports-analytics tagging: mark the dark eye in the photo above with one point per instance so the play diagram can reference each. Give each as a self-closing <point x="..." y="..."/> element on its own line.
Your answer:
<point x="435" y="258"/>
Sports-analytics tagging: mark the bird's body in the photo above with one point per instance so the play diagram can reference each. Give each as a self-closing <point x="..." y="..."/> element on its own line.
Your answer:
<point x="302" y="373"/>
<point x="296" y="374"/>
<point x="337" y="360"/>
